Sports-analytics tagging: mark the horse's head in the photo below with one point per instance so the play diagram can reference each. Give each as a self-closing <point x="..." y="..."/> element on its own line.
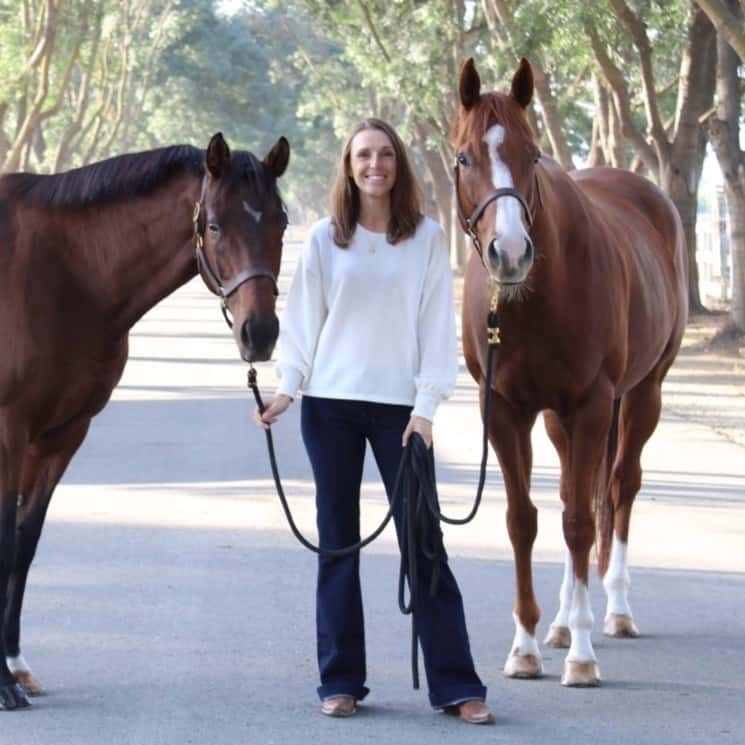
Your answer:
<point x="495" y="157"/>
<point x="239" y="224"/>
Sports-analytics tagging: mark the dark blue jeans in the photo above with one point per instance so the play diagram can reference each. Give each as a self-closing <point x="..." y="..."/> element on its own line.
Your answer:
<point x="335" y="433"/>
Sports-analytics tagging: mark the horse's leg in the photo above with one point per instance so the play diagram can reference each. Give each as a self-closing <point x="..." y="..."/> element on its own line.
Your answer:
<point x="640" y="413"/>
<point x="509" y="433"/>
<point x="559" y="635"/>
<point x="587" y="427"/>
<point x="43" y="466"/>
<point x="11" y="455"/>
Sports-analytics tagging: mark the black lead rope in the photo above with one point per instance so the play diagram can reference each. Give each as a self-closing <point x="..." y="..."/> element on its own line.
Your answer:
<point x="335" y="552"/>
<point x="416" y="487"/>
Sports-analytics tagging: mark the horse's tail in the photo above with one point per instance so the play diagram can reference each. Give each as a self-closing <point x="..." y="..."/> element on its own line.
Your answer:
<point x="603" y="501"/>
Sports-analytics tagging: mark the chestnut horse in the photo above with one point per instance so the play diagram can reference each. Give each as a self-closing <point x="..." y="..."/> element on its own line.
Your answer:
<point x="83" y="255"/>
<point x="590" y="270"/>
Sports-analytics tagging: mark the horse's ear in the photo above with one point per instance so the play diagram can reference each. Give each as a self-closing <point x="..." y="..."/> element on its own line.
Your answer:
<point x="218" y="155"/>
<point x="469" y="87"/>
<point x="278" y="157"/>
<point x="522" y="83"/>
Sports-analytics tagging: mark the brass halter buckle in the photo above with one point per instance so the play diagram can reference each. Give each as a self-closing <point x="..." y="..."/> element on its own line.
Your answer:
<point x="492" y="329"/>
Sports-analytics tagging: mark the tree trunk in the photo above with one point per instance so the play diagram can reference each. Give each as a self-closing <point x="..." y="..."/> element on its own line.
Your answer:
<point x="682" y="189"/>
<point x="42" y="62"/>
<point x="616" y="154"/>
<point x="439" y="182"/>
<point x="685" y="155"/>
<point x="596" y="156"/>
<point x="736" y="207"/>
<point x="676" y="162"/>
<point x="724" y="131"/>
<point x="552" y="118"/>
<point x="728" y="23"/>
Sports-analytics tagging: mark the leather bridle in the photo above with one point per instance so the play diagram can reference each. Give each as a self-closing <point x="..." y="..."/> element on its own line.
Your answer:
<point x="214" y="284"/>
<point x="469" y="222"/>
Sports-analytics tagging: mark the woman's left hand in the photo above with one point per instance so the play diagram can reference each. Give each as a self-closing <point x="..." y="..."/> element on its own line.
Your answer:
<point x="422" y="427"/>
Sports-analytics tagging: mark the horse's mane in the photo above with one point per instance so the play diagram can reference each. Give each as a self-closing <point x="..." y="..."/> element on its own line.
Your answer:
<point x="492" y="108"/>
<point x="130" y="175"/>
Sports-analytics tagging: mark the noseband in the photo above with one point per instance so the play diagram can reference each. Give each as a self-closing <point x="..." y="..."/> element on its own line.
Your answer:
<point x="210" y="276"/>
<point x="468" y="223"/>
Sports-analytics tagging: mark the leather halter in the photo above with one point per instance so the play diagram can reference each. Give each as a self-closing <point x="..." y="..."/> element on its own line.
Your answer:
<point x="210" y="276"/>
<point x="468" y="223"/>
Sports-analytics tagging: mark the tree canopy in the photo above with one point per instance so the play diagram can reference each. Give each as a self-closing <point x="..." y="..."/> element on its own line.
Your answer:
<point x="619" y="82"/>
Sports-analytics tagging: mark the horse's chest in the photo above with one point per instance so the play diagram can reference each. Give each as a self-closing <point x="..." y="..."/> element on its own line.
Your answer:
<point x="79" y="388"/>
<point x="534" y="378"/>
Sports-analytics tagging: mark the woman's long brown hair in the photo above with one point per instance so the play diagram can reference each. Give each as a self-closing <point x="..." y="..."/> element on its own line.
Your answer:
<point x="406" y="194"/>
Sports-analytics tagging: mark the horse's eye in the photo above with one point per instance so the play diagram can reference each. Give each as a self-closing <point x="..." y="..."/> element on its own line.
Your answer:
<point x="462" y="159"/>
<point x="214" y="228"/>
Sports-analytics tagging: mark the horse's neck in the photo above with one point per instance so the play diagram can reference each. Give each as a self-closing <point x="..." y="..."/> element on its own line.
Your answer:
<point x="141" y="250"/>
<point x="557" y="218"/>
<point x="559" y="235"/>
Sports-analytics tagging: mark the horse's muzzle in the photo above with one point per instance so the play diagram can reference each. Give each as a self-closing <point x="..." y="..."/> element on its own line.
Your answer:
<point x="258" y="335"/>
<point x="506" y="268"/>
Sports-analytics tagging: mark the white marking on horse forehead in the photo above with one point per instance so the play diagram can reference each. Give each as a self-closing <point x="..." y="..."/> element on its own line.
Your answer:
<point x="500" y="174"/>
<point x="509" y="227"/>
<point x="256" y="214"/>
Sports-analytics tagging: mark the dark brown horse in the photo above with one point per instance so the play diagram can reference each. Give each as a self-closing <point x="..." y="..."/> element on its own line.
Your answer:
<point x="83" y="255"/>
<point x="591" y="273"/>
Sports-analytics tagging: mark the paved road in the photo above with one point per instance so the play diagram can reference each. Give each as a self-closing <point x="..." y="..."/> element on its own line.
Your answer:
<point x="168" y="604"/>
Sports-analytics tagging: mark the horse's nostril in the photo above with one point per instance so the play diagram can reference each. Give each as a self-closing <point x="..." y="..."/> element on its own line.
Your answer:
<point x="246" y="335"/>
<point x="529" y="250"/>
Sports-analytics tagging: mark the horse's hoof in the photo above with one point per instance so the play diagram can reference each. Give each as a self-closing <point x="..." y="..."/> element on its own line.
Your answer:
<point x="620" y="626"/>
<point x="558" y="637"/>
<point x="523" y="666"/>
<point x="580" y="674"/>
<point x="13" y="697"/>
<point x="29" y="683"/>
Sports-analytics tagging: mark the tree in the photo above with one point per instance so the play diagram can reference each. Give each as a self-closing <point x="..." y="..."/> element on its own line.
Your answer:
<point x="398" y="60"/>
<point x="85" y="72"/>
<point x="724" y="131"/>
<point x="673" y="154"/>
<point x="85" y="79"/>
<point x="727" y="20"/>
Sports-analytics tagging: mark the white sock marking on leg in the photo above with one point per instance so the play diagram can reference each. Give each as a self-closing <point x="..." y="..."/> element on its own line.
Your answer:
<point x="580" y="624"/>
<point x="617" y="580"/>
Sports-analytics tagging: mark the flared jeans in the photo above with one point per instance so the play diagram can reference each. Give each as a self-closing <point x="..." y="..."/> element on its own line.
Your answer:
<point x="335" y="433"/>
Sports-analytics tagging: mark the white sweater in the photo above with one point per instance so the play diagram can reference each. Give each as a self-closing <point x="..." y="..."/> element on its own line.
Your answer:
<point x="372" y="322"/>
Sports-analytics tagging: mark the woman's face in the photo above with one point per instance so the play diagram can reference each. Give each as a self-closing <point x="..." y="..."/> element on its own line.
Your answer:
<point x="372" y="160"/>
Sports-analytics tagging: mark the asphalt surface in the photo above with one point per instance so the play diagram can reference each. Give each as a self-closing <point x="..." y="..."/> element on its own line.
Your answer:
<point x="169" y="604"/>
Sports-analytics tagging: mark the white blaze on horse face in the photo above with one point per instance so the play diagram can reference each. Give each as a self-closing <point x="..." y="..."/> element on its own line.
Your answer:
<point x="510" y="231"/>
<point x="617" y="580"/>
<point x="256" y="214"/>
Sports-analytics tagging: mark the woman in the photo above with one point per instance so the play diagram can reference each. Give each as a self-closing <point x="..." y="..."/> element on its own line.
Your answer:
<point x="368" y="335"/>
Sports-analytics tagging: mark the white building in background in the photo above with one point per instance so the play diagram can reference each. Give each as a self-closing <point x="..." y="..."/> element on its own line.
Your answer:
<point x="713" y="249"/>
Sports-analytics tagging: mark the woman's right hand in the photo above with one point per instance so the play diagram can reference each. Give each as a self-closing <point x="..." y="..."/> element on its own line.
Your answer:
<point x="273" y="407"/>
